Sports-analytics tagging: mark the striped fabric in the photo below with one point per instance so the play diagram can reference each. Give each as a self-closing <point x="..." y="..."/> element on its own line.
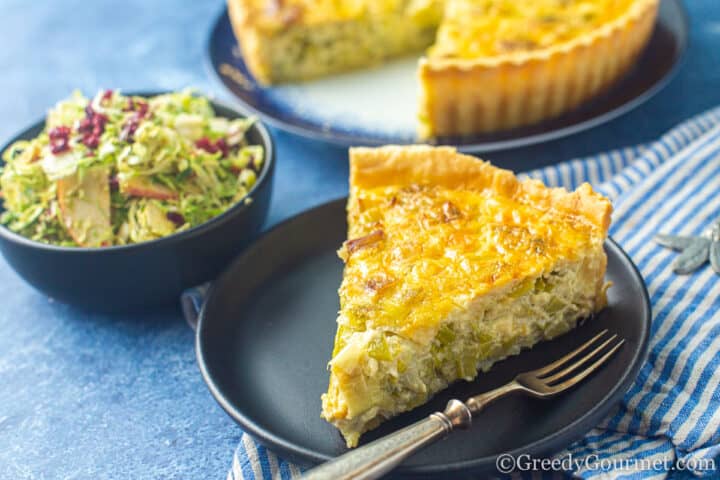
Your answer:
<point x="671" y="413"/>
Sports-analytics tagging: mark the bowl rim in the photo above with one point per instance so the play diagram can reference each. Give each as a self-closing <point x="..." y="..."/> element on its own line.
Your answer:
<point x="239" y="206"/>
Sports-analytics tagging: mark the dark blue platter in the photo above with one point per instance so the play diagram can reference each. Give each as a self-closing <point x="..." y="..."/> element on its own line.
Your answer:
<point x="377" y="106"/>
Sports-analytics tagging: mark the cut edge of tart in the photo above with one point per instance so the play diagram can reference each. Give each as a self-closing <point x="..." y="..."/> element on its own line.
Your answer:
<point x="452" y="265"/>
<point x="460" y="96"/>
<point x="290" y="41"/>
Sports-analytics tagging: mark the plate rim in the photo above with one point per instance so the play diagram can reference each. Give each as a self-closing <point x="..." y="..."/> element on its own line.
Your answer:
<point x="551" y="443"/>
<point x="347" y="140"/>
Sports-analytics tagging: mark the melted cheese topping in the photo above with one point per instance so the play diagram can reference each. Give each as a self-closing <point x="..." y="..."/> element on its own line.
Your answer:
<point x="415" y="254"/>
<point x="486" y="28"/>
<point x="281" y="13"/>
<point x="468" y="29"/>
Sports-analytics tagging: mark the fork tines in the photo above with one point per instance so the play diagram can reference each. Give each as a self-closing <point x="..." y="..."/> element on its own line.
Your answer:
<point x="562" y="374"/>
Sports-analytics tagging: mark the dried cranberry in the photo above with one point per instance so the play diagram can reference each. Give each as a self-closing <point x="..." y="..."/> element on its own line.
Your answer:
<point x="59" y="139"/>
<point x="142" y="109"/>
<point x="128" y="131"/>
<point x="59" y="147"/>
<point x="59" y="132"/>
<point x="106" y="96"/>
<point x="220" y="145"/>
<point x="92" y="127"/>
<point x="176" y="218"/>
<point x="206" y="144"/>
<point x="138" y="106"/>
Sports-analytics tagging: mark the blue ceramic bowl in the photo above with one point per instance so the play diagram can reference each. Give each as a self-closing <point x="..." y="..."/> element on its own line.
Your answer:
<point x="148" y="274"/>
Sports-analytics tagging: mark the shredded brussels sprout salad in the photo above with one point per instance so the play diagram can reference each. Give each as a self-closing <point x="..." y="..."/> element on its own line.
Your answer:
<point x="116" y="169"/>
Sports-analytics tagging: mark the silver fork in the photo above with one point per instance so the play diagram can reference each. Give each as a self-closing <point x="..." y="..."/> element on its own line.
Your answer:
<point x="379" y="457"/>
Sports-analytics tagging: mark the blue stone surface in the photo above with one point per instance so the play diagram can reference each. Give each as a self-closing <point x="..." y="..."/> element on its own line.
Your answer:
<point x="96" y="396"/>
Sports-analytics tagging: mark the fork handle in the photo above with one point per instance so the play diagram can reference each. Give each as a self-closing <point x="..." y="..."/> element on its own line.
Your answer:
<point x="379" y="457"/>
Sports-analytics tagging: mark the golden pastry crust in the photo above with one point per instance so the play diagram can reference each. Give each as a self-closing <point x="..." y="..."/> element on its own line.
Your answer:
<point x="419" y="164"/>
<point x="462" y="96"/>
<point x="252" y="38"/>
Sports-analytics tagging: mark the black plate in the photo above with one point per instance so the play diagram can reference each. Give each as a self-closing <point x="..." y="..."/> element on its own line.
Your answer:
<point x="652" y="71"/>
<point x="265" y="335"/>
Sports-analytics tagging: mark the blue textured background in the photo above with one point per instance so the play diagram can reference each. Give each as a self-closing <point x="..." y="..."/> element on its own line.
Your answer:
<point x="87" y="396"/>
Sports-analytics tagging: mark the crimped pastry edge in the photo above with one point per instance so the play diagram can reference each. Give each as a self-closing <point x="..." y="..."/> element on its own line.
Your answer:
<point x="444" y="166"/>
<point x="527" y="67"/>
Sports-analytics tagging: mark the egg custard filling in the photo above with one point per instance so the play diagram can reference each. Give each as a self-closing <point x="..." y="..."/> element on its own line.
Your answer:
<point x="451" y="265"/>
<point x="489" y="28"/>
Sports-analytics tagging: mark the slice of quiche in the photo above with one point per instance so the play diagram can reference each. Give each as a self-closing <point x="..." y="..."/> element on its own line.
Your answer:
<point x="451" y="265"/>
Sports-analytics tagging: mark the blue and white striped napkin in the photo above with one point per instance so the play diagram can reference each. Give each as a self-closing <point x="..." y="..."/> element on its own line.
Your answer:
<point x="668" y="424"/>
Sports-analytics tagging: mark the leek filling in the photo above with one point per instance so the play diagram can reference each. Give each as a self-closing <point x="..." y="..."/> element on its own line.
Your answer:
<point x="308" y="52"/>
<point x="399" y="374"/>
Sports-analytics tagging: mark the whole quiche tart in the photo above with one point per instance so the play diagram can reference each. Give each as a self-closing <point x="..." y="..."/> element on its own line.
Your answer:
<point x="451" y="265"/>
<point x="490" y="64"/>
